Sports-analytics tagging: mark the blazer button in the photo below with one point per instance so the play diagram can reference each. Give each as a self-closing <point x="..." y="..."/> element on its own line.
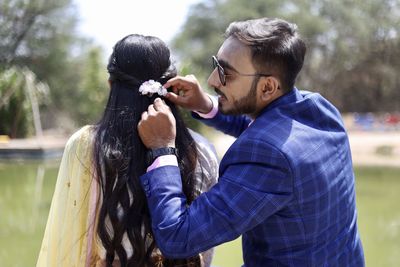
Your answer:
<point x="148" y="194"/>
<point x="146" y="187"/>
<point x="145" y="181"/>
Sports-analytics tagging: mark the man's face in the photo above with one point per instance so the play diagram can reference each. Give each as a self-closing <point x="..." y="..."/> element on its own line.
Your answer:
<point x="239" y="95"/>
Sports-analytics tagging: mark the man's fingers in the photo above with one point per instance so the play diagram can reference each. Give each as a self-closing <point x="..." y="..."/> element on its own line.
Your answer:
<point x="176" y="99"/>
<point x="173" y="82"/>
<point x="179" y="83"/>
<point x="151" y="110"/>
<point x="190" y="76"/>
<point x="144" y="116"/>
<point x="160" y="105"/>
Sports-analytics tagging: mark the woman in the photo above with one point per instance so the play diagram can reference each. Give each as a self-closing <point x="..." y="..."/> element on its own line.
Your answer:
<point x="99" y="215"/>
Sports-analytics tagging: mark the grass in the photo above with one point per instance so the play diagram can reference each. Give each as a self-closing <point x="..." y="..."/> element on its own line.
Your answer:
<point x="378" y="198"/>
<point x="228" y="254"/>
<point x="24" y="206"/>
<point x="24" y="213"/>
<point x="384" y="150"/>
<point x="378" y="195"/>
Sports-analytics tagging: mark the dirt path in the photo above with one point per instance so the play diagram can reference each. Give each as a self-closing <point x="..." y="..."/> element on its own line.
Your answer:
<point x="368" y="148"/>
<point x="375" y="148"/>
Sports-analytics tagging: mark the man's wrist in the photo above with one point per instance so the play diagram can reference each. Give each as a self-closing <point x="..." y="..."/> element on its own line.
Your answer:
<point x="208" y="106"/>
<point x="167" y="160"/>
<point x="152" y="154"/>
<point x="213" y="111"/>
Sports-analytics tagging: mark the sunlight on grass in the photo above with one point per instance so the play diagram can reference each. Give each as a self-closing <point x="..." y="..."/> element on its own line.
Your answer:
<point x="24" y="214"/>
<point x="228" y="254"/>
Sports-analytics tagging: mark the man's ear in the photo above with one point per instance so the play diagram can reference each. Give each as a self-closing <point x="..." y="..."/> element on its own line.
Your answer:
<point x="109" y="83"/>
<point x="269" y="89"/>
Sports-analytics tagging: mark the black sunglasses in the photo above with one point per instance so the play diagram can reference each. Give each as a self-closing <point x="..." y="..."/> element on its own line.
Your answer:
<point x="222" y="75"/>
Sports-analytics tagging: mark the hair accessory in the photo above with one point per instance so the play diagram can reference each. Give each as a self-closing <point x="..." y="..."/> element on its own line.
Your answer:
<point x="151" y="87"/>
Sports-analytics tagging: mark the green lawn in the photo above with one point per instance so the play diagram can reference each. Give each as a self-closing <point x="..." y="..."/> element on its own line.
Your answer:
<point x="25" y="200"/>
<point x="24" y="206"/>
<point x="228" y="254"/>
<point x="378" y="198"/>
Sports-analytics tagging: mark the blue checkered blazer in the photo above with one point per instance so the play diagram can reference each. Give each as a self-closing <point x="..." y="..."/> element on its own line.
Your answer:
<point x="286" y="185"/>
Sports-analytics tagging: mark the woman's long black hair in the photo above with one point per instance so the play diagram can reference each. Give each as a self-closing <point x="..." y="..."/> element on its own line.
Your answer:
<point x="119" y="154"/>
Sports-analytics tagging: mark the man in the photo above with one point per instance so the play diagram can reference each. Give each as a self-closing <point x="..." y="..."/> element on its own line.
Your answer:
<point x="286" y="184"/>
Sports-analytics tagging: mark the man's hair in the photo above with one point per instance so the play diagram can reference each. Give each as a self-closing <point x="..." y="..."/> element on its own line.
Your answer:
<point x="275" y="44"/>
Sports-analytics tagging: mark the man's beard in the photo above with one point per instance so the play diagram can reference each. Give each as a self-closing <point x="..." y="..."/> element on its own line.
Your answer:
<point x="245" y="105"/>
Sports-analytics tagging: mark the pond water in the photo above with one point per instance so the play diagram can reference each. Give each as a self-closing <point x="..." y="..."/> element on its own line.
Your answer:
<point x="26" y="189"/>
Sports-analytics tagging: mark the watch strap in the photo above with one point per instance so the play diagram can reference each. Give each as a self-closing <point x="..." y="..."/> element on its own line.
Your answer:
<point x="152" y="154"/>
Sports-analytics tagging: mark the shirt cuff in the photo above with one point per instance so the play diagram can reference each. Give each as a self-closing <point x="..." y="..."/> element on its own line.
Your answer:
<point x="163" y="161"/>
<point x="214" y="110"/>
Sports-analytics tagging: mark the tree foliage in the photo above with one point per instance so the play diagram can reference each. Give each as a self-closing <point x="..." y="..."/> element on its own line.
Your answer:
<point x="41" y="35"/>
<point x="15" y="104"/>
<point x="29" y="26"/>
<point x="93" y="88"/>
<point x="353" y="46"/>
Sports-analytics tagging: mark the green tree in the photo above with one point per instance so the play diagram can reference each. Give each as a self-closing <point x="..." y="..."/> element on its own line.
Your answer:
<point x="353" y="46"/>
<point x="28" y="25"/>
<point x="16" y="104"/>
<point x="41" y="35"/>
<point x="93" y="89"/>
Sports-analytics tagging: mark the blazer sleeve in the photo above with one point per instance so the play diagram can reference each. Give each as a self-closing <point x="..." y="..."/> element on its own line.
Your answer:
<point x="65" y="241"/>
<point x="252" y="187"/>
<point x="228" y="124"/>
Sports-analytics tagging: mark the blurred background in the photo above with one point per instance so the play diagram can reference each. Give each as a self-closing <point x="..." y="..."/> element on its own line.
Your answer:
<point x="53" y="81"/>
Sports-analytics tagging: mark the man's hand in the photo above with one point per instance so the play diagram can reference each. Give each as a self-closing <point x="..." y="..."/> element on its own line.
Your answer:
<point x="157" y="127"/>
<point x="188" y="93"/>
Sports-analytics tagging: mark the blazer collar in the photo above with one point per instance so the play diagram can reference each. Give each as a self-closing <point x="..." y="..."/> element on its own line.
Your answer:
<point x="290" y="97"/>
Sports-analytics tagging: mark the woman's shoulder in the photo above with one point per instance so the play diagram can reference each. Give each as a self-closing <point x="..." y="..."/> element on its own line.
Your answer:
<point x="203" y="144"/>
<point x="80" y="142"/>
<point x="207" y="167"/>
<point x="83" y="134"/>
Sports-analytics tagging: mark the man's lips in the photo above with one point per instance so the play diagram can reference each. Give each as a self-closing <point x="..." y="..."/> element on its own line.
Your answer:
<point x="219" y="92"/>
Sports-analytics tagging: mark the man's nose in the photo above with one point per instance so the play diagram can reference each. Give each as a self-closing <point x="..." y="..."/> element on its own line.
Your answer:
<point x="213" y="79"/>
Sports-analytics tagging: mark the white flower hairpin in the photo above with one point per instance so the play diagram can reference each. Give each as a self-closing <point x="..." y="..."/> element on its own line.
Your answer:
<point x="151" y="87"/>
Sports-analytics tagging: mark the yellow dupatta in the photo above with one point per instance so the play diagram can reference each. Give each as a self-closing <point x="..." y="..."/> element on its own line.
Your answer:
<point x="70" y="231"/>
<point x="70" y="238"/>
